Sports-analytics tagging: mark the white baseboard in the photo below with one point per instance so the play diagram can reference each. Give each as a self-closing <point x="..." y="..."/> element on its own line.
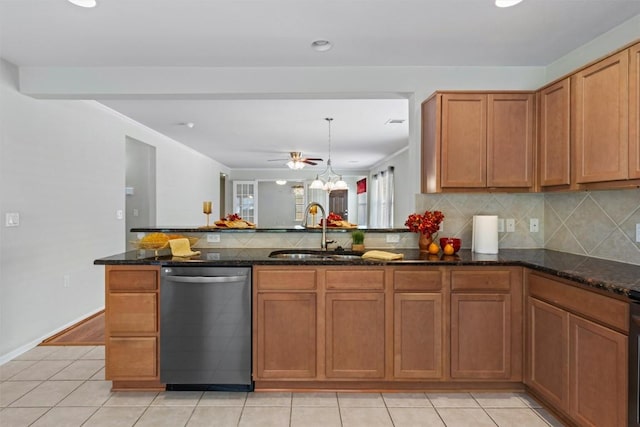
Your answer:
<point x="23" y="349"/>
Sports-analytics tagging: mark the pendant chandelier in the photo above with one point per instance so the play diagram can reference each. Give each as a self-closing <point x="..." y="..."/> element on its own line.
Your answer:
<point x="328" y="180"/>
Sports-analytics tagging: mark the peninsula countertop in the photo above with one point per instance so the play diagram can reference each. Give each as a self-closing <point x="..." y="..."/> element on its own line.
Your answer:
<point x="616" y="277"/>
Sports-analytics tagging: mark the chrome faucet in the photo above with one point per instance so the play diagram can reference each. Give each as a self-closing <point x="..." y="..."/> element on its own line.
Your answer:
<point x="324" y="242"/>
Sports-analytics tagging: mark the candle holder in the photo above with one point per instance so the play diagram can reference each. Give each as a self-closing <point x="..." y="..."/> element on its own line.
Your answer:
<point x="206" y="209"/>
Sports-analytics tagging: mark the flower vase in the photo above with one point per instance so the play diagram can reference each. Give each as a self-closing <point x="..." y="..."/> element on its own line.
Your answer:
<point x="424" y="241"/>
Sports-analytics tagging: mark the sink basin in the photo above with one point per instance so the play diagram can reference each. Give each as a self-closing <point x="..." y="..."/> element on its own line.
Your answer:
<point x="311" y="255"/>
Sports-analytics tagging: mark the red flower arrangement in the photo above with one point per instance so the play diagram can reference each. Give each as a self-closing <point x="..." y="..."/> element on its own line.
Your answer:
<point x="427" y="223"/>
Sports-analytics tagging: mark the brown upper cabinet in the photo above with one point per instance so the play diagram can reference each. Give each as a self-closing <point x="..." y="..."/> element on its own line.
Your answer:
<point x="601" y="120"/>
<point x="588" y="126"/>
<point x="634" y="112"/>
<point x="478" y="141"/>
<point x="554" y="134"/>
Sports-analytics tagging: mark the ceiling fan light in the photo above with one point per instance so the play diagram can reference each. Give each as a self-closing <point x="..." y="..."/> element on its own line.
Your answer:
<point x="295" y="165"/>
<point x="507" y="3"/>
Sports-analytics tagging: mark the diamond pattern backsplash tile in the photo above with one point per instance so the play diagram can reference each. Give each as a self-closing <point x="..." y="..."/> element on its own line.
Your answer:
<point x="598" y="223"/>
<point x="601" y="224"/>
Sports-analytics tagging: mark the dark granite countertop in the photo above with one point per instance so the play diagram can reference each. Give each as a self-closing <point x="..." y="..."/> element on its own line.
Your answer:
<point x="178" y="229"/>
<point x="619" y="278"/>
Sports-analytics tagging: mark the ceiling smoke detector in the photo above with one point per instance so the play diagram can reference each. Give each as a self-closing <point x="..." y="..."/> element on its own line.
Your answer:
<point x="321" y="45"/>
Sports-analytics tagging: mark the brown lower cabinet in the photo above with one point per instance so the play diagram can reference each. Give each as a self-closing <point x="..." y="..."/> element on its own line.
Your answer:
<point x="132" y="327"/>
<point x="355" y="335"/>
<point x="400" y="324"/>
<point x="286" y="335"/>
<point x="577" y="345"/>
<point x="486" y="323"/>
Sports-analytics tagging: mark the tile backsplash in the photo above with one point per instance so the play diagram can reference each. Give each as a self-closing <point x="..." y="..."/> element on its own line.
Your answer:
<point x="601" y="224"/>
<point x="459" y="210"/>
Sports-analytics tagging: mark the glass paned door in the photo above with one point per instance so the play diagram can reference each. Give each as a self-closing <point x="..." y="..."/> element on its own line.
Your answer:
<point x="245" y="200"/>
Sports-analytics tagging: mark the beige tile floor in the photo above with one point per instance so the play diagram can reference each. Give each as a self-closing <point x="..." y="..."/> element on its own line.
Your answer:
<point x="65" y="387"/>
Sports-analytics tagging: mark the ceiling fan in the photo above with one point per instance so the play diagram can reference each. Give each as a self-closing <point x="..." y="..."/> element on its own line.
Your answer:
<point x="296" y="161"/>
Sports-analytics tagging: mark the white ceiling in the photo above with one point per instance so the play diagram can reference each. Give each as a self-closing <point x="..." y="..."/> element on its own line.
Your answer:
<point x="225" y="33"/>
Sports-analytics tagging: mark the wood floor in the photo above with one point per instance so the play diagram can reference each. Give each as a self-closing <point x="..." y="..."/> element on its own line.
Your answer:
<point x="89" y="331"/>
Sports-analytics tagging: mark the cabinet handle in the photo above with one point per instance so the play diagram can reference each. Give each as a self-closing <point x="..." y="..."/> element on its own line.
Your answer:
<point x="205" y="279"/>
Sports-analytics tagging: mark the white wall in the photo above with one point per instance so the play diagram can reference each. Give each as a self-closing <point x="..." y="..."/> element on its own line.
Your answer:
<point x="62" y="168"/>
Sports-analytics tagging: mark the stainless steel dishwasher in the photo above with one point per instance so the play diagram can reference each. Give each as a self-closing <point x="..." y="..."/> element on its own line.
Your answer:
<point x="205" y="328"/>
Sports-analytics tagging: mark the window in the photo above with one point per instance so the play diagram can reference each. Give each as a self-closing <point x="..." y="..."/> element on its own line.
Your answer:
<point x="382" y="199"/>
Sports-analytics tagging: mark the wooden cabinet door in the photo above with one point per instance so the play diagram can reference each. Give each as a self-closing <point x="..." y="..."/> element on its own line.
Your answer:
<point x="548" y="336"/>
<point x="634" y="111"/>
<point x="510" y="132"/>
<point x="597" y="374"/>
<point x="601" y="112"/>
<point x="417" y="335"/>
<point x="554" y="133"/>
<point x="131" y="358"/>
<point x="464" y="140"/>
<point x="285" y="330"/>
<point x="355" y="335"/>
<point x="481" y="329"/>
<point x="132" y="313"/>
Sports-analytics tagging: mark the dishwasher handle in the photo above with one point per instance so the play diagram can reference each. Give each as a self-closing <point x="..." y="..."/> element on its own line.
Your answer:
<point x="206" y="279"/>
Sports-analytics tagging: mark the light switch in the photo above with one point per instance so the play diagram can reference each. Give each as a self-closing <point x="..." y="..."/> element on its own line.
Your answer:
<point x="12" y="219"/>
<point x="213" y="238"/>
<point x="511" y="225"/>
<point x="119" y="214"/>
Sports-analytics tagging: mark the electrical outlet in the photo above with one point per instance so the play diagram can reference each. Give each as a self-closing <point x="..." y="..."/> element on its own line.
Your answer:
<point x="500" y="225"/>
<point x="534" y="225"/>
<point x="213" y="238"/>
<point x="637" y="233"/>
<point x="393" y="238"/>
<point x="136" y="212"/>
<point x="66" y="281"/>
<point x="511" y="225"/>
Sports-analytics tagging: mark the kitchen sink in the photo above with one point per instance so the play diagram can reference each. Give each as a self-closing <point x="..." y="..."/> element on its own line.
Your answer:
<point x="312" y="255"/>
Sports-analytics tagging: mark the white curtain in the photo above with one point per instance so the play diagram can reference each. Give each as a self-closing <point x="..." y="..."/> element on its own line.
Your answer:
<point x="382" y="199"/>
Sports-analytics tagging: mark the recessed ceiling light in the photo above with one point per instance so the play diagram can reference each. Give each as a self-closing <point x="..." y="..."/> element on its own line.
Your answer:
<point x="190" y="125"/>
<point x="507" y="3"/>
<point x="84" y="3"/>
<point x="281" y="181"/>
<point x="321" y="45"/>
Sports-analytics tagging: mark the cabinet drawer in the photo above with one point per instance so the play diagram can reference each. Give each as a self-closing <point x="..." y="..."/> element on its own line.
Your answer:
<point x="355" y="279"/>
<point x="132" y="313"/>
<point x="478" y="280"/>
<point x="603" y="309"/>
<point x="135" y="279"/>
<point x="291" y="279"/>
<point x="132" y="358"/>
<point x="417" y="280"/>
